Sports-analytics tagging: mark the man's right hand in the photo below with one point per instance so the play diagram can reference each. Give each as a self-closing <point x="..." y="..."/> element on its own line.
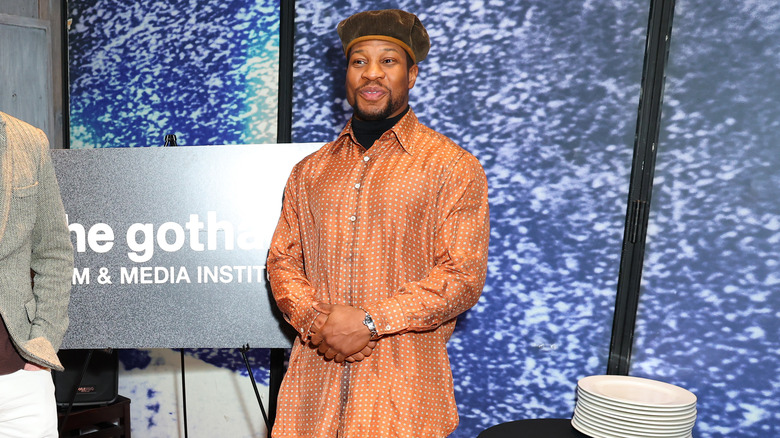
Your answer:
<point x="360" y="355"/>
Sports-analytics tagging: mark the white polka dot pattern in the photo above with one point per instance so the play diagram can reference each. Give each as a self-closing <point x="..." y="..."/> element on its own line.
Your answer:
<point x="400" y="230"/>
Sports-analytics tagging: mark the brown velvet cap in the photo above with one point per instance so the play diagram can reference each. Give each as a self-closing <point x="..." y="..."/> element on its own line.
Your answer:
<point x="392" y="25"/>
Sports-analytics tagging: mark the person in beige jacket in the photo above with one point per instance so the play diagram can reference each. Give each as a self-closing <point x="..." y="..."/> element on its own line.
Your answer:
<point x="36" y="267"/>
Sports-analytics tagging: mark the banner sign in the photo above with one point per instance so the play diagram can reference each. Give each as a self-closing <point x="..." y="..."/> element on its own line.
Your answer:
<point x="170" y="244"/>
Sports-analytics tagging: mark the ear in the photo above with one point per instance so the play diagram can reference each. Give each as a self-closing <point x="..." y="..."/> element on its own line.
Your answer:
<point x="413" y="70"/>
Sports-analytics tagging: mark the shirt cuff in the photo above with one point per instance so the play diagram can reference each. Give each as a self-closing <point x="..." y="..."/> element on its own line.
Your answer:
<point x="388" y="316"/>
<point x="303" y="321"/>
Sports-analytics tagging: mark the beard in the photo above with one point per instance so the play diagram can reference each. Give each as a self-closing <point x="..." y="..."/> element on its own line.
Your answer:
<point x="394" y="103"/>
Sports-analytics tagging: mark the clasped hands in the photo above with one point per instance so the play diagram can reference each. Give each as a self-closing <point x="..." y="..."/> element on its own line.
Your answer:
<point x="339" y="334"/>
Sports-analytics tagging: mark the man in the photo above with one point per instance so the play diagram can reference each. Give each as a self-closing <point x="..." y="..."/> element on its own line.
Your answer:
<point x="34" y="241"/>
<point x="381" y="243"/>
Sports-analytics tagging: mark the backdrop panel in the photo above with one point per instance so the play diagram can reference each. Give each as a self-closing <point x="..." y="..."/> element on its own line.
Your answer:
<point x="171" y="244"/>
<point x="204" y="70"/>
<point x="708" y="313"/>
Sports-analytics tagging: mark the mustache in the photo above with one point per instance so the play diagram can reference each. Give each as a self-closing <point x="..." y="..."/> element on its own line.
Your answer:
<point x="372" y="84"/>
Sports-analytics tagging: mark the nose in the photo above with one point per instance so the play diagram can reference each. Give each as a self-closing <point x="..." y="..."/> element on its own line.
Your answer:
<point x="373" y="71"/>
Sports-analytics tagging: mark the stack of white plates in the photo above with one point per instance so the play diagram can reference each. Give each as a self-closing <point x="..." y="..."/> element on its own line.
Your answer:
<point x="632" y="407"/>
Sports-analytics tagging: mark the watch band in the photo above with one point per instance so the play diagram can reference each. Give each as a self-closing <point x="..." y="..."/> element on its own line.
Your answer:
<point x="369" y="322"/>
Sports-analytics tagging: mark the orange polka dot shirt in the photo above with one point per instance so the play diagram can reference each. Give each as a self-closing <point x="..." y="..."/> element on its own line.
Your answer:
<point x="400" y="230"/>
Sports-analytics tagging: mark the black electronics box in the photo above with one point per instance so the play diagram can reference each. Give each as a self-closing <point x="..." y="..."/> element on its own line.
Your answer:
<point x="99" y="384"/>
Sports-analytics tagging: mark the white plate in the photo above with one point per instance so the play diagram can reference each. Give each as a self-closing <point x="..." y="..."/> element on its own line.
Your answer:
<point x="653" y="410"/>
<point x="631" y="410"/>
<point x="593" y="411"/>
<point x="637" y="391"/>
<point x="620" y="426"/>
<point x="633" y="429"/>
<point x="596" y="430"/>
<point x="575" y="423"/>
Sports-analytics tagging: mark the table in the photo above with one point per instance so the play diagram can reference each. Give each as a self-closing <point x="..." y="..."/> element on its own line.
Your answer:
<point x="536" y="428"/>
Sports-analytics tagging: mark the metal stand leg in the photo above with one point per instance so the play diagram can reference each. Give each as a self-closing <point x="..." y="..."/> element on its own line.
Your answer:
<point x="243" y="350"/>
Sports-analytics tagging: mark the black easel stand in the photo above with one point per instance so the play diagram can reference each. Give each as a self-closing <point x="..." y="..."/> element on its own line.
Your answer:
<point x="243" y="350"/>
<point x="277" y="371"/>
<point x="72" y="397"/>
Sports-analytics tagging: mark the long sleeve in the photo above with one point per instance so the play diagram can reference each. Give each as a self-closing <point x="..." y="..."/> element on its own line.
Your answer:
<point x="455" y="282"/>
<point x="51" y="259"/>
<point x="291" y="288"/>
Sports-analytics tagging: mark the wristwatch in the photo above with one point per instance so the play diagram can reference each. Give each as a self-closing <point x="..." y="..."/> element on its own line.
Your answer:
<point x="369" y="322"/>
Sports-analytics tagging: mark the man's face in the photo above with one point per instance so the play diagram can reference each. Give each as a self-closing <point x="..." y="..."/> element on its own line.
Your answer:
<point x="378" y="79"/>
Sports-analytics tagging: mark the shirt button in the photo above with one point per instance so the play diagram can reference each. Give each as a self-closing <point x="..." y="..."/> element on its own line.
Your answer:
<point x="352" y="218"/>
<point x="357" y="186"/>
<point x="387" y="327"/>
<point x="366" y="158"/>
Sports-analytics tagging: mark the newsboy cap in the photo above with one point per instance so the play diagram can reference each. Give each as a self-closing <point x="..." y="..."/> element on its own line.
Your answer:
<point x="392" y="25"/>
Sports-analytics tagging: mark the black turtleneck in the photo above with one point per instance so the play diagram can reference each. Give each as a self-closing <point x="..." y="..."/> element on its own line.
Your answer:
<point x="368" y="131"/>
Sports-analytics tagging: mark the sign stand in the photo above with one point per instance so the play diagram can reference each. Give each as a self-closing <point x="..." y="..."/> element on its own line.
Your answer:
<point x="243" y="350"/>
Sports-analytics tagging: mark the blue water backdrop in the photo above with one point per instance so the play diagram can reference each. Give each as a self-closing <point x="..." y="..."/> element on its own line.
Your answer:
<point x="205" y="71"/>
<point x="708" y="313"/>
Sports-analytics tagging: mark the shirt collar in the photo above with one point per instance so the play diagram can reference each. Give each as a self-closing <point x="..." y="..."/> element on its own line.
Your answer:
<point x="403" y="130"/>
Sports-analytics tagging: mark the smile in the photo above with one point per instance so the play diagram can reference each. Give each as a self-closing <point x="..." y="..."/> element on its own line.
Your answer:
<point x="372" y="93"/>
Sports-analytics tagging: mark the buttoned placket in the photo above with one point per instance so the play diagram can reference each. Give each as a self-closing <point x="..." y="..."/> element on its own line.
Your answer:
<point x="362" y="171"/>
